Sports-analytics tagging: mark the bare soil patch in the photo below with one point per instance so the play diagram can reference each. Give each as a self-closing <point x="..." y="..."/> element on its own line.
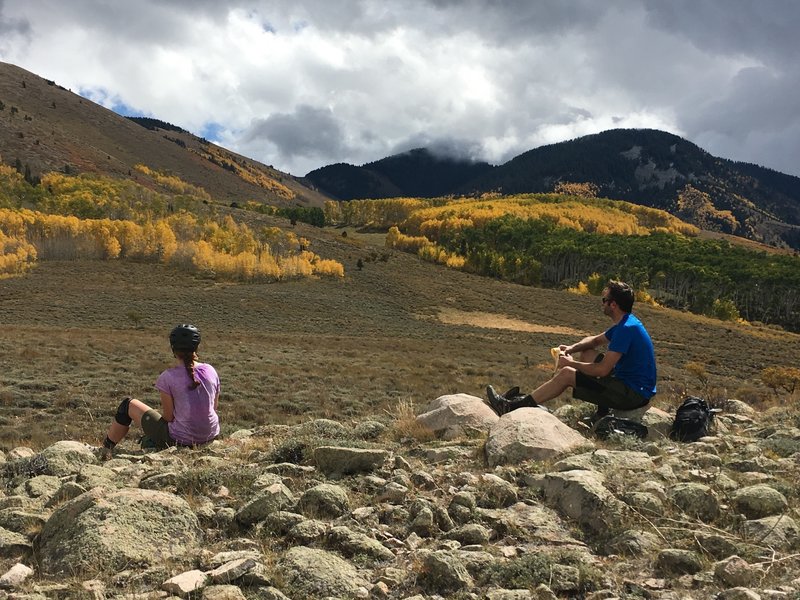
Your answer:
<point x="451" y="316"/>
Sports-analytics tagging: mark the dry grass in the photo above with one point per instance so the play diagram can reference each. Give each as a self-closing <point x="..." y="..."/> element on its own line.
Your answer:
<point x="288" y="352"/>
<point x="404" y="422"/>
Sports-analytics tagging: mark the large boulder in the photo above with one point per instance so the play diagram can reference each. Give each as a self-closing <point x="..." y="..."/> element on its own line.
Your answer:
<point x="105" y="530"/>
<point x="312" y="573"/>
<point x="455" y="415"/>
<point x="530" y="433"/>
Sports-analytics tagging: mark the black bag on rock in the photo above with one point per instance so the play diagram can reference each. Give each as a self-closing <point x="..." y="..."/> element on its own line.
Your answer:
<point x="692" y="420"/>
<point x="605" y="426"/>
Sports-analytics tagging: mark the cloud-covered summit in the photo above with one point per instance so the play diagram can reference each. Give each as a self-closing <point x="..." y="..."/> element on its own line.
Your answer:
<point x="307" y="83"/>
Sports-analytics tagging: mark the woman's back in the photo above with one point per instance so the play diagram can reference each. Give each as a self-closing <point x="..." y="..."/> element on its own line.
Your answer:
<point x="195" y="419"/>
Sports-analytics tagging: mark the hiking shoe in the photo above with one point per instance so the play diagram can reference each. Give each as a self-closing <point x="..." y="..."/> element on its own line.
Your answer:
<point x="103" y="454"/>
<point x="498" y="403"/>
<point x="525" y="401"/>
<point x="514" y="391"/>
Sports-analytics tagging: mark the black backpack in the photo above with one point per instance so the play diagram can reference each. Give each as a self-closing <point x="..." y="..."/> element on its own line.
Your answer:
<point x="608" y="425"/>
<point x="692" y="420"/>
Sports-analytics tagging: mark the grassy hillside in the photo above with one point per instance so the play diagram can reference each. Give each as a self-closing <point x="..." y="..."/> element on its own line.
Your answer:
<point x="44" y="127"/>
<point x="77" y="336"/>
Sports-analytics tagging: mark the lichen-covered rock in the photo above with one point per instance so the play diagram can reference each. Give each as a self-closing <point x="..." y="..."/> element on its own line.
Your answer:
<point x="325" y="500"/>
<point x="634" y="543"/>
<point x="696" y="500"/>
<point x="455" y="415"/>
<point x="472" y="533"/>
<point x="312" y="573"/>
<point x="443" y="573"/>
<point x="351" y="543"/>
<point x="13" y="544"/>
<point x="530" y="434"/>
<point x="757" y="501"/>
<point x="335" y="461"/>
<point x="107" y="530"/>
<point x="675" y="561"/>
<point x="581" y="495"/>
<point x="778" y="532"/>
<point x="269" y="500"/>
<point x="66" y="458"/>
<point x="496" y="492"/>
<point x="736" y="572"/>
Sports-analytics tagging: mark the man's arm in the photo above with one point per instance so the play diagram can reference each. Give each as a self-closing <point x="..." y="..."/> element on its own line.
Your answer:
<point x="587" y="343"/>
<point x="592" y="369"/>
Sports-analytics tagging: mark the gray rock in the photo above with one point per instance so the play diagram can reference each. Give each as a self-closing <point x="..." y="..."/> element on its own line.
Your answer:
<point x="66" y="458"/>
<point x="530" y="434"/>
<point x="13" y="544"/>
<point x="325" y="501"/>
<point x="674" y="561"/>
<point x="369" y="430"/>
<point x="496" y="492"/>
<point x="111" y="530"/>
<point x="779" y="532"/>
<point x="223" y="592"/>
<point x="280" y="522"/>
<point x="42" y="486"/>
<point x="312" y="573"/>
<point x="472" y="533"/>
<point x="696" y="500"/>
<point x="269" y="500"/>
<point x="351" y="543"/>
<point x="322" y="428"/>
<point x="644" y="502"/>
<point x="164" y="481"/>
<point x="607" y="461"/>
<point x="233" y="570"/>
<point x="67" y="491"/>
<point x="444" y="573"/>
<point x="23" y="522"/>
<point x="456" y="415"/>
<point x="336" y="462"/>
<point x="717" y="546"/>
<point x="309" y="531"/>
<point x="757" y="501"/>
<point x="581" y="495"/>
<point x="635" y="543"/>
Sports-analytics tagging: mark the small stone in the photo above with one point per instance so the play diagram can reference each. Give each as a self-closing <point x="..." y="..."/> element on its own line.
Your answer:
<point x="15" y="576"/>
<point x="223" y="592"/>
<point x="674" y="561"/>
<point x="185" y="583"/>
<point x="231" y="571"/>
<point x="735" y="572"/>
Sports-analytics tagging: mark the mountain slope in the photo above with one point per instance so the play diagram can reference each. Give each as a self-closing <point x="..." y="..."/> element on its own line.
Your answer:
<point x="419" y="172"/>
<point x="643" y="166"/>
<point x="45" y="127"/>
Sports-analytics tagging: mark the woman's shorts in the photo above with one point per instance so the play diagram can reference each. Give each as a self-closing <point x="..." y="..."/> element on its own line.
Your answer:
<point x="157" y="429"/>
<point x="607" y="392"/>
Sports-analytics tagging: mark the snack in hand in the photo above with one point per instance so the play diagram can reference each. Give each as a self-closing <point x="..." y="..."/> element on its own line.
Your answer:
<point x="555" y="352"/>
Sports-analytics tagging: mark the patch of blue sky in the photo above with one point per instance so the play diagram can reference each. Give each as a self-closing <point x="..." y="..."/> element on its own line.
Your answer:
<point x="211" y="131"/>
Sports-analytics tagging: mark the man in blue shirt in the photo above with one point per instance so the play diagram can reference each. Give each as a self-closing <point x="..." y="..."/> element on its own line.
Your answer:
<point x="623" y="377"/>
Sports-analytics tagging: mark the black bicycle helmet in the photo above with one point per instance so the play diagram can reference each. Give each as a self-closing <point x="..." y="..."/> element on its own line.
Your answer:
<point x="184" y="337"/>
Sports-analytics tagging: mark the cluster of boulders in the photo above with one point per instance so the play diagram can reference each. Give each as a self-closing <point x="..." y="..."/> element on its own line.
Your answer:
<point x="527" y="505"/>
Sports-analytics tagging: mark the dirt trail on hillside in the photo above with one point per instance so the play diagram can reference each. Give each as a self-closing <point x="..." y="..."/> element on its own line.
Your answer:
<point x="451" y="316"/>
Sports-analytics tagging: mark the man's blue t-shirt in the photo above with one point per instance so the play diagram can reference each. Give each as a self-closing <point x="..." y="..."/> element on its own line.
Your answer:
<point x="636" y="367"/>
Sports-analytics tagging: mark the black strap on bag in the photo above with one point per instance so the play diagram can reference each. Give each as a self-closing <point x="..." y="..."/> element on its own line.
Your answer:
<point x="692" y="420"/>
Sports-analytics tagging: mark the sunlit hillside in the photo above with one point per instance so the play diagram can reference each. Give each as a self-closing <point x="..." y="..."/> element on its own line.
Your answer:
<point x="46" y="128"/>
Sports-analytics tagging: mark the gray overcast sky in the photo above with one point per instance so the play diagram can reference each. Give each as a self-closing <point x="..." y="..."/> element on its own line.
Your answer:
<point x="303" y="83"/>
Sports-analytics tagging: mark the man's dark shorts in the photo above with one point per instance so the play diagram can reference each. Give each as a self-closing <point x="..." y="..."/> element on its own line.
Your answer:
<point x="606" y="392"/>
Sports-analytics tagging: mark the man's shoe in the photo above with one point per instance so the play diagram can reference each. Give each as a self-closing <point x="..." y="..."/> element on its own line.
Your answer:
<point x="498" y="403"/>
<point x="525" y="401"/>
<point x="514" y="391"/>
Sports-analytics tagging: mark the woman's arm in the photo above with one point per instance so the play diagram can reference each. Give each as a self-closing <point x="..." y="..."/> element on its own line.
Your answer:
<point x="216" y="402"/>
<point x="167" y="407"/>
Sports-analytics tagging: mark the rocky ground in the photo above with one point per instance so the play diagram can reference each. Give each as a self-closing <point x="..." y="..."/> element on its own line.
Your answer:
<point x="456" y="503"/>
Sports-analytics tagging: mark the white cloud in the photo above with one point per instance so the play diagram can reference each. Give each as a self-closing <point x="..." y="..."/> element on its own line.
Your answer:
<point x="311" y="82"/>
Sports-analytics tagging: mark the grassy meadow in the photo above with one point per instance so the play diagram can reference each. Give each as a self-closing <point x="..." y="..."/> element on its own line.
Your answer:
<point x="77" y="336"/>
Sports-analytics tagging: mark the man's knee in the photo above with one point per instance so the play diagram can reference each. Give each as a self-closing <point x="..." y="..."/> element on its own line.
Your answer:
<point x="566" y="376"/>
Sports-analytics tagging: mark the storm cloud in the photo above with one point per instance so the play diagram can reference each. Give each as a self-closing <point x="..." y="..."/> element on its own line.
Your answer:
<point x="306" y="83"/>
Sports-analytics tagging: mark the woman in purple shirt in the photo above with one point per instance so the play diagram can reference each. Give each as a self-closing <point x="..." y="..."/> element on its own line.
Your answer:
<point x="189" y="397"/>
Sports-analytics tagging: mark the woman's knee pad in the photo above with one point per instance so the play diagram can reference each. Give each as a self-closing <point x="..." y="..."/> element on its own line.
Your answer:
<point x="122" y="416"/>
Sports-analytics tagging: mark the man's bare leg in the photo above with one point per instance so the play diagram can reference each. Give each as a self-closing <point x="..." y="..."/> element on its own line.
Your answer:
<point x="563" y="379"/>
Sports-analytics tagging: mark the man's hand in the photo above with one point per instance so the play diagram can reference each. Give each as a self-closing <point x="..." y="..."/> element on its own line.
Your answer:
<point x="565" y="349"/>
<point x="564" y="360"/>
